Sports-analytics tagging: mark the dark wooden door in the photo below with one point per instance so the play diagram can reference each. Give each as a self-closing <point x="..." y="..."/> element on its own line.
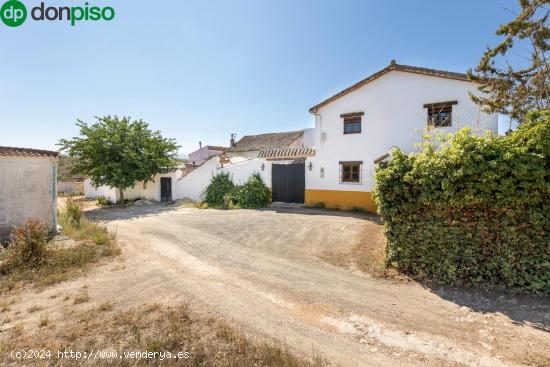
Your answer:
<point x="288" y="182"/>
<point x="165" y="189"/>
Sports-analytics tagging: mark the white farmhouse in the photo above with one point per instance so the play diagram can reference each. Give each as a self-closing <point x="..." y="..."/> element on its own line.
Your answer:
<point x="391" y="108"/>
<point x="28" y="187"/>
<point x="278" y="158"/>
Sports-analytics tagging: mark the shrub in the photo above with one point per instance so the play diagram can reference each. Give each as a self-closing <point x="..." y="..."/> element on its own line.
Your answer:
<point x="475" y="211"/>
<point x="27" y="246"/>
<point x="222" y="193"/>
<point x="74" y="212"/>
<point x="253" y="194"/>
<point x="316" y="205"/>
<point x="220" y="185"/>
<point x="102" y="200"/>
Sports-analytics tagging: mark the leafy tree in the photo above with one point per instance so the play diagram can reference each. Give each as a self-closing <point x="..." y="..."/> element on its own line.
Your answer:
<point x="516" y="90"/>
<point x="119" y="152"/>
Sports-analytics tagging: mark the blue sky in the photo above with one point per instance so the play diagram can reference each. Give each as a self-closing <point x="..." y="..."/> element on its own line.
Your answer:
<point x="200" y="70"/>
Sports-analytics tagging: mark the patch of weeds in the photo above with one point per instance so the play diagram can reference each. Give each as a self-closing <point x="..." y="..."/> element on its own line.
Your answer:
<point x="5" y="305"/>
<point x="30" y="259"/>
<point x="27" y="247"/>
<point x="200" y="205"/>
<point x="103" y="201"/>
<point x="317" y="205"/>
<point x="358" y="209"/>
<point x="34" y="309"/>
<point x="210" y="342"/>
<point x="44" y="321"/>
<point x="81" y="297"/>
<point x="105" y="307"/>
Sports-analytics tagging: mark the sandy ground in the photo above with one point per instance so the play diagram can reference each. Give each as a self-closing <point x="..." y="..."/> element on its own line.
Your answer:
<point x="263" y="270"/>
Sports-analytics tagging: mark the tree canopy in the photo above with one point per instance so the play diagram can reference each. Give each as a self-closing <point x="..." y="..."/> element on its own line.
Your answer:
<point x="118" y="152"/>
<point x="514" y="76"/>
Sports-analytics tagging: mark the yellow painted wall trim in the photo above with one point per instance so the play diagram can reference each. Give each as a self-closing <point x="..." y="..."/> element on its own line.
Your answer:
<point x="337" y="199"/>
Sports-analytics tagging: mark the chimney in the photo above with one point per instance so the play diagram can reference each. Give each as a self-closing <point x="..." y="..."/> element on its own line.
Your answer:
<point x="200" y="144"/>
<point x="232" y="141"/>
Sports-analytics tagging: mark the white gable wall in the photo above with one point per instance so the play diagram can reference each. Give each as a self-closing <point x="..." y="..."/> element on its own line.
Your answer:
<point x="393" y="116"/>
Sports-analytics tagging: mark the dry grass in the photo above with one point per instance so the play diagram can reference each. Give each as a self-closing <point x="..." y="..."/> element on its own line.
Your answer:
<point x="5" y="304"/>
<point x="60" y="262"/>
<point x="154" y="328"/>
<point x="81" y="297"/>
<point x="44" y="321"/>
<point x="105" y="307"/>
<point x="34" y="308"/>
<point x="369" y="255"/>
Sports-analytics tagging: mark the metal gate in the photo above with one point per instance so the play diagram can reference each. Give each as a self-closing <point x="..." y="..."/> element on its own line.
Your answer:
<point x="165" y="189"/>
<point x="288" y="182"/>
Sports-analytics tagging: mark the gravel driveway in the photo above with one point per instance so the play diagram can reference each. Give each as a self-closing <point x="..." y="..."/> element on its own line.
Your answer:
<point x="262" y="271"/>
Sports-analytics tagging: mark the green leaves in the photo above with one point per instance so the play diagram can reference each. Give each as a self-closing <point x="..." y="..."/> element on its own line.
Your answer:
<point x="220" y="186"/>
<point x="515" y="91"/>
<point x="475" y="211"/>
<point x="119" y="152"/>
<point x="222" y="193"/>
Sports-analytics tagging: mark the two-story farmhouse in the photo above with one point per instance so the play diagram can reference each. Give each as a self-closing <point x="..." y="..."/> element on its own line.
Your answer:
<point x="391" y="108"/>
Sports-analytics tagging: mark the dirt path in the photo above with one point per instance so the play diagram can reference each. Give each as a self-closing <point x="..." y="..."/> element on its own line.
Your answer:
<point x="262" y="270"/>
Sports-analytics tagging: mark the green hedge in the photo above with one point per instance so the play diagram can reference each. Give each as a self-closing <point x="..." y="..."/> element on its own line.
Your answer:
<point x="475" y="211"/>
<point x="222" y="193"/>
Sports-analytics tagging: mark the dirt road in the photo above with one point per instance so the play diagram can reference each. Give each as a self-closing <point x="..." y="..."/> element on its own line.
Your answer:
<point x="262" y="270"/>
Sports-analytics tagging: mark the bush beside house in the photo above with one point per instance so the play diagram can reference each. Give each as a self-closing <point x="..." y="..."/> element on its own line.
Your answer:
<point x="223" y="193"/>
<point x="475" y="211"/>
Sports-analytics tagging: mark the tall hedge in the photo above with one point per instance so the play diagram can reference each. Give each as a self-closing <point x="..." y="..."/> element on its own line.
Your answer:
<point x="476" y="210"/>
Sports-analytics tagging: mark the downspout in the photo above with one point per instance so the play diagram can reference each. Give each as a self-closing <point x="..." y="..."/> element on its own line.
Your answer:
<point x="54" y="197"/>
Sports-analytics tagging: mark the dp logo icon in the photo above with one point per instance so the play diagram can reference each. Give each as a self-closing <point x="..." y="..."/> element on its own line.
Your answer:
<point x="13" y="13"/>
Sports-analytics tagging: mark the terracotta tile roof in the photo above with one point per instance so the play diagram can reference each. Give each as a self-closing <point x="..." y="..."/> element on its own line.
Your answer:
<point x="286" y="153"/>
<point x="391" y="67"/>
<point x="266" y="141"/>
<point x="26" y="152"/>
<point x="216" y="147"/>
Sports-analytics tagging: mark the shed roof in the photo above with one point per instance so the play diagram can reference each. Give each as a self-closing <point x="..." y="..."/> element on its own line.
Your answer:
<point x="26" y="152"/>
<point x="286" y="153"/>
<point x="216" y="147"/>
<point x="391" y="67"/>
<point x="266" y="141"/>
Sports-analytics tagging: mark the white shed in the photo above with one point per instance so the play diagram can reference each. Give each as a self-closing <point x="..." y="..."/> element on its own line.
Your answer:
<point x="28" y="187"/>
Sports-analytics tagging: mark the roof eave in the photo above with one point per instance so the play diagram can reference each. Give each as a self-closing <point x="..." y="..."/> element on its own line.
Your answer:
<point x="392" y="67"/>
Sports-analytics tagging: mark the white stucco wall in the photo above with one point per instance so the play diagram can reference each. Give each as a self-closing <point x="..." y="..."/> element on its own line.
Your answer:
<point x="192" y="185"/>
<point x="28" y="189"/>
<point x="151" y="191"/>
<point x="242" y="166"/>
<point x="91" y="192"/>
<point x="241" y="171"/>
<point x="309" y="138"/>
<point x="393" y="116"/>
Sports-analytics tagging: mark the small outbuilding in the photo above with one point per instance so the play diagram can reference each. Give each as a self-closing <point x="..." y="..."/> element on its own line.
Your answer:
<point x="28" y="187"/>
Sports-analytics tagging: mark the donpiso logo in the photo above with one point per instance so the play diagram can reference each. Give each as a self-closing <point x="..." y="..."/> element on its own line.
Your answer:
<point x="13" y="13"/>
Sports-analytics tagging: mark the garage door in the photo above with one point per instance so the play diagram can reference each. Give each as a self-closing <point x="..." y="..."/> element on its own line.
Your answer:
<point x="288" y="182"/>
